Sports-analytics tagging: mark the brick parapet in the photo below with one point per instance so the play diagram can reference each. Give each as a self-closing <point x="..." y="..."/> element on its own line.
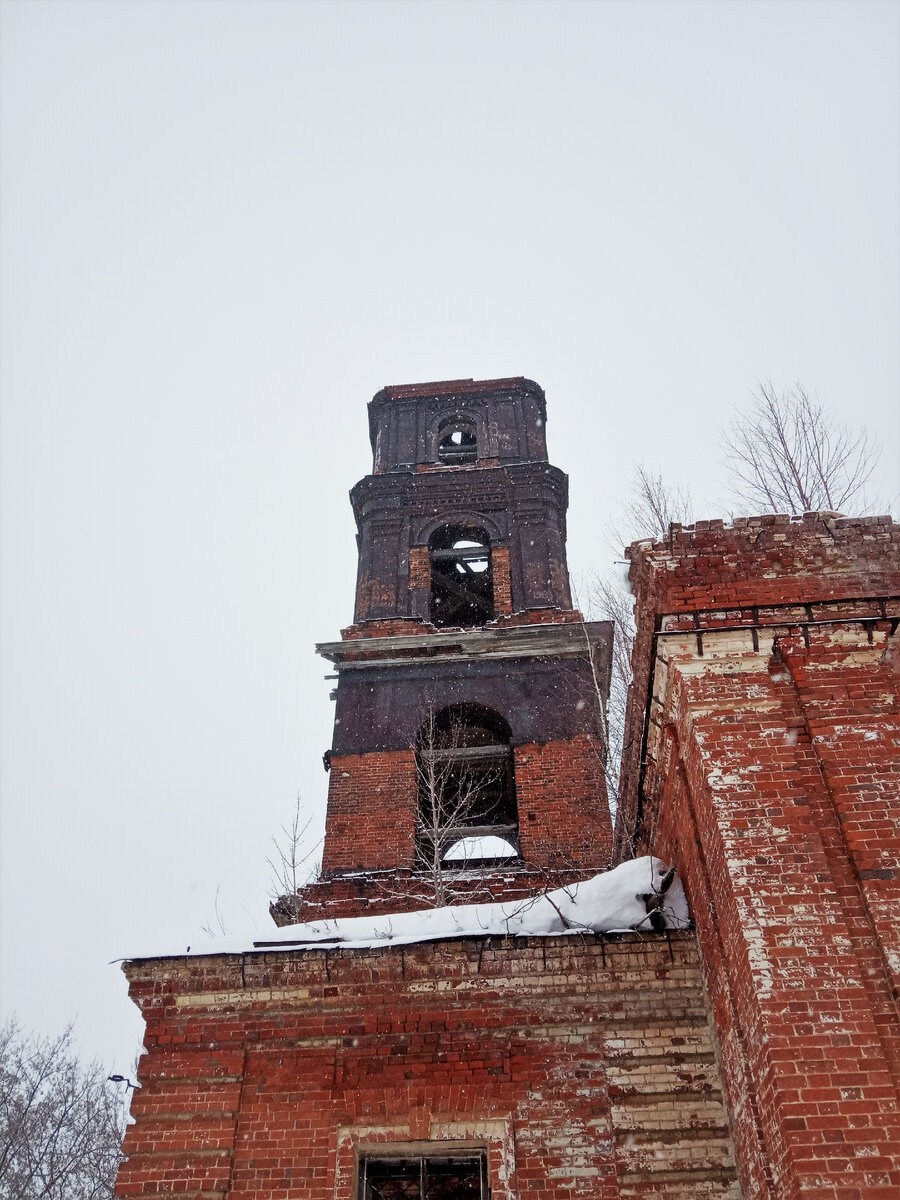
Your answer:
<point x="388" y="628"/>
<point x="538" y="616"/>
<point x="266" y="1074"/>
<point x="768" y="559"/>
<point x="767" y="769"/>
<point x="726" y="571"/>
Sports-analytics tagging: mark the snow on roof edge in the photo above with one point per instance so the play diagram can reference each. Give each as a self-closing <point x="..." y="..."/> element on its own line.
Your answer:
<point x="615" y="901"/>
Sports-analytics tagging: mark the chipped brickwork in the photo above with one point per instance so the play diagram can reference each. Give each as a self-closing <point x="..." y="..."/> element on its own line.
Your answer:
<point x="764" y="725"/>
<point x="503" y="605"/>
<point x="592" y="1076"/>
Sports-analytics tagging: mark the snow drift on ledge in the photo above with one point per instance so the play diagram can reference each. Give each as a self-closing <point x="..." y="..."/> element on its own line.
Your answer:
<point x="612" y="902"/>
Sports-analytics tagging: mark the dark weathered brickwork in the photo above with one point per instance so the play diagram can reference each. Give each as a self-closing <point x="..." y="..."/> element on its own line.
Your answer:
<point x="508" y="489"/>
<point x="532" y="661"/>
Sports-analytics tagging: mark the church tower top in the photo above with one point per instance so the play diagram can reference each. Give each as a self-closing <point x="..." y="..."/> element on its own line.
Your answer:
<point x="462" y="520"/>
<point x="456" y="423"/>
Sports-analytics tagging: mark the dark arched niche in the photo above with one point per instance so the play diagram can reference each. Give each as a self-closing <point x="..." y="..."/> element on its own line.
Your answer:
<point x="464" y="765"/>
<point x="462" y="577"/>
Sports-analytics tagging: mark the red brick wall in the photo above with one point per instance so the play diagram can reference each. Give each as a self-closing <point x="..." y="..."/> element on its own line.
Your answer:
<point x="563" y="815"/>
<point x="769" y="771"/>
<point x="583" y="1066"/>
<point x="502" y="583"/>
<point x="372" y="802"/>
<point x="419" y="567"/>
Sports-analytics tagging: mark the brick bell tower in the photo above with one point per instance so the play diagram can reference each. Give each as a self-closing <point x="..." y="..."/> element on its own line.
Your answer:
<point x="469" y="738"/>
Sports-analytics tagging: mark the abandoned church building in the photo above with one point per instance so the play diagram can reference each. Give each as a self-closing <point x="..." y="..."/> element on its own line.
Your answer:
<point x="489" y="991"/>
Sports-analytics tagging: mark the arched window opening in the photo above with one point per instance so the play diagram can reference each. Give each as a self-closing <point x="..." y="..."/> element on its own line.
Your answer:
<point x="467" y="799"/>
<point x="462" y="579"/>
<point x="457" y="443"/>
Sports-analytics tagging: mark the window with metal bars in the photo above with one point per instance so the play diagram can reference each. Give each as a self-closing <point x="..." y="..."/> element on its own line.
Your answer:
<point x="425" y="1177"/>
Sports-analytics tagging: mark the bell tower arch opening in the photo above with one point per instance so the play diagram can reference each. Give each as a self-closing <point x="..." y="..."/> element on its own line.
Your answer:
<point x="467" y="810"/>
<point x="457" y="441"/>
<point x="462" y="577"/>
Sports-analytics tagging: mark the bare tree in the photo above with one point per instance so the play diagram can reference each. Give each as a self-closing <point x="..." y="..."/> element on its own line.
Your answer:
<point x="651" y="505"/>
<point x="463" y="785"/>
<point x="291" y="866"/>
<point x="61" y="1122"/>
<point x="787" y="454"/>
<point x="604" y="597"/>
<point x="216" y="926"/>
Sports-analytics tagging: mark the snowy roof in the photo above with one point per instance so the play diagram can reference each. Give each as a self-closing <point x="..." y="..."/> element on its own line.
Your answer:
<point x="615" y="901"/>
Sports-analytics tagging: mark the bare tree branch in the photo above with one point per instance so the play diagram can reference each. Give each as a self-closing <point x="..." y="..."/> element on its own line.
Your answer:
<point x="455" y="786"/>
<point x="787" y="454"/>
<point x="216" y="927"/>
<point x="650" y="506"/>
<point x="605" y="598"/>
<point x="61" y="1123"/>
<point x="292" y="865"/>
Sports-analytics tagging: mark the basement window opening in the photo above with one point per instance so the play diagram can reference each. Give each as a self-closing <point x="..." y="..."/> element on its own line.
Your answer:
<point x="425" y="1177"/>
<point x="462" y="578"/>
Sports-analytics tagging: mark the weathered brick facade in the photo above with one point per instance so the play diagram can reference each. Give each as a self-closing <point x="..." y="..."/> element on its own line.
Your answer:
<point x="762" y="758"/>
<point x="584" y="1067"/>
<point x="764" y="729"/>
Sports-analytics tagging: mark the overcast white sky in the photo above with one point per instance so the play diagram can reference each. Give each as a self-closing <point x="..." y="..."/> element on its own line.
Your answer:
<point x="224" y="227"/>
